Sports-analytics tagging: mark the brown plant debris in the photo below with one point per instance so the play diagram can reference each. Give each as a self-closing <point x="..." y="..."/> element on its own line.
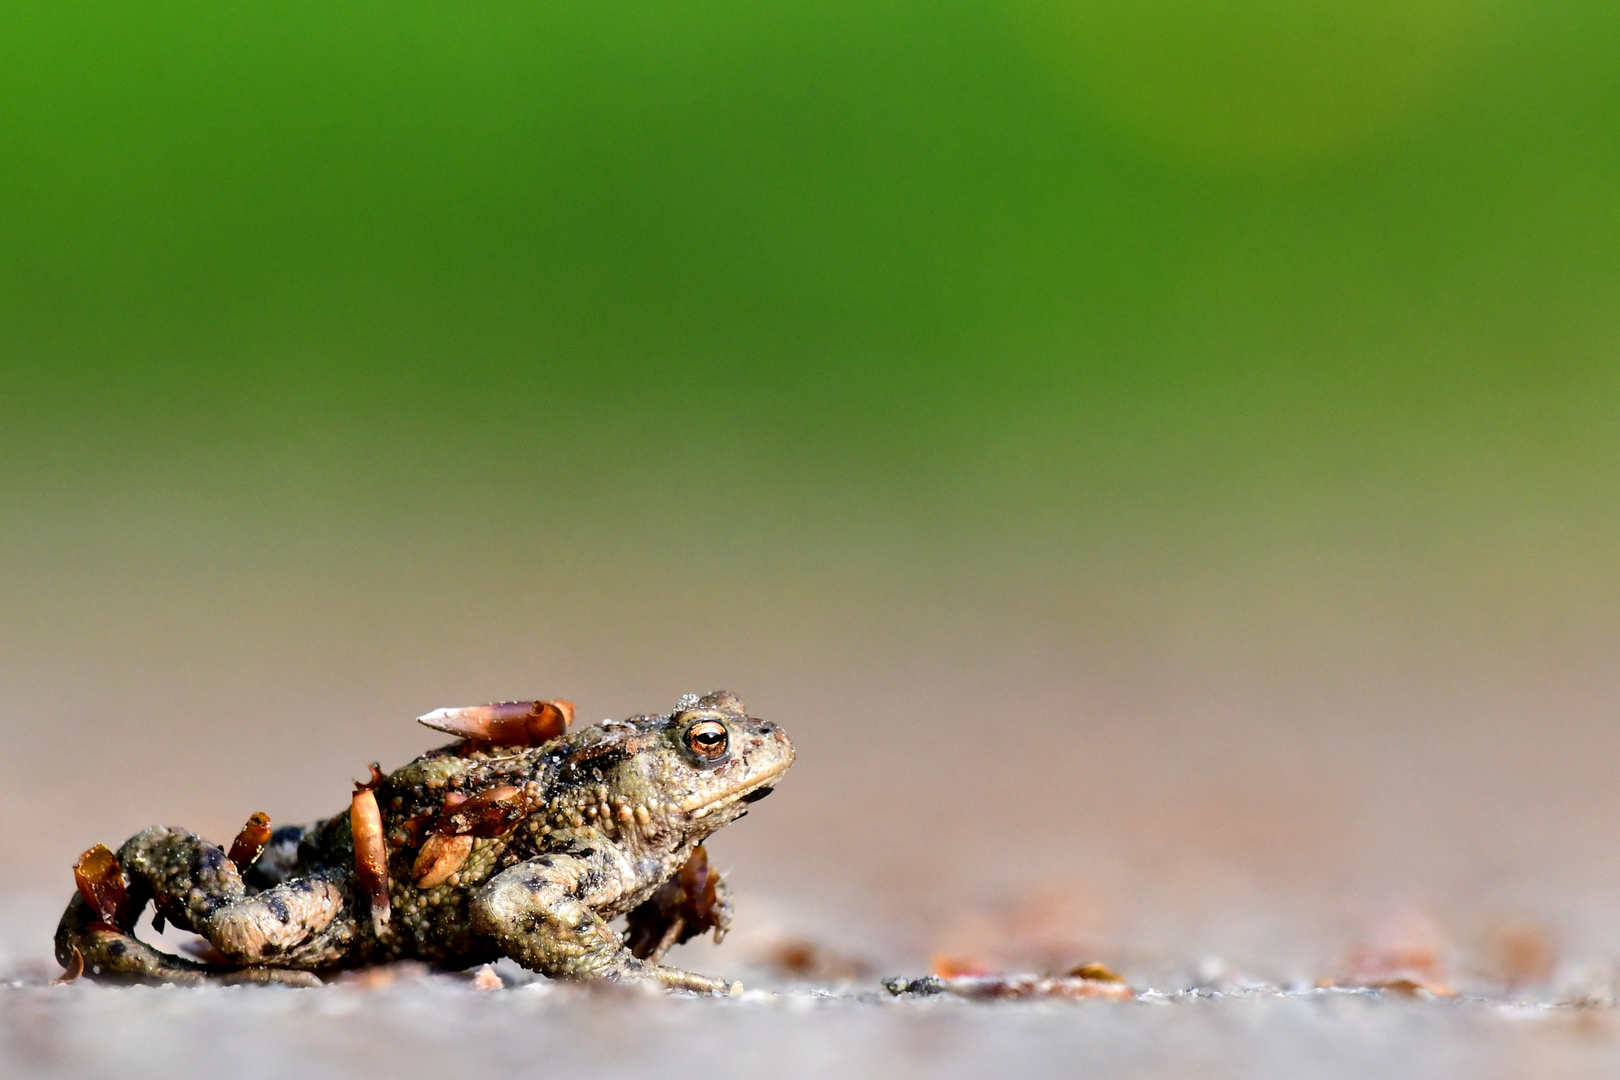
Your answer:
<point x="101" y="882"/>
<point x="370" y="848"/>
<point x="504" y="723"/>
<point x="74" y="969"/>
<point x="1098" y="971"/>
<point x="1521" y="954"/>
<point x="801" y="958"/>
<point x="1010" y="987"/>
<point x="249" y="843"/>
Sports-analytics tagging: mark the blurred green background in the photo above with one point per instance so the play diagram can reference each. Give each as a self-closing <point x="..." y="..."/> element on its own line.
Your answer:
<point x="355" y="356"/>
<point x="985" y="280"/>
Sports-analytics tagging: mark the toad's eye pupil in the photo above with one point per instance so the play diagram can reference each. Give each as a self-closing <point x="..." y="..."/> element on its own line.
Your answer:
<point x="707" y="738"/>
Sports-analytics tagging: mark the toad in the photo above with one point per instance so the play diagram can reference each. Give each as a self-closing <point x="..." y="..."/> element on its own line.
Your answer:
<point x="520" y="840"/>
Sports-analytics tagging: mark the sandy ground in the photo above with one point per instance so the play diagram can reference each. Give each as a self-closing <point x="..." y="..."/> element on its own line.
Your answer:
<point x="443" y="1026"/>
<point x="831" y="1017"/>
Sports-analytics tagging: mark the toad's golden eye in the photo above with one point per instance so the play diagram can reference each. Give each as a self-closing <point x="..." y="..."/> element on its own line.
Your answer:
<point x="707" y="739"/>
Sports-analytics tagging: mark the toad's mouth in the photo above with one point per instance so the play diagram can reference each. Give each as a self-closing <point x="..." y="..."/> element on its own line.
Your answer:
<point x="704" y="805"/>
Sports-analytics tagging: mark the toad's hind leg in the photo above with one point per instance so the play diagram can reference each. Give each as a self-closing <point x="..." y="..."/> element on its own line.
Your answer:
<point x="196" y="887"/>
<point x="540" y="914"/>
<point x="84" y="942"/>
<point x="106" y="952"/>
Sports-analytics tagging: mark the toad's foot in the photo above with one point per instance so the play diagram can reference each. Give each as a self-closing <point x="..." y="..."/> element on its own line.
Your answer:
<point x="540" y="914"/>
<point x="86" y="945"/>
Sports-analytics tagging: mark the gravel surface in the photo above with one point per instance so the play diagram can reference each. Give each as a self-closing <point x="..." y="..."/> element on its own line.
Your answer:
<point x="408" y="1022"/>
<point x="443" y="1026"/>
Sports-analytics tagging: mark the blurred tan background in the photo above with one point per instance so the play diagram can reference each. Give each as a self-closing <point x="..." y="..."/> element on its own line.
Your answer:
<point x="1266" y="764"/>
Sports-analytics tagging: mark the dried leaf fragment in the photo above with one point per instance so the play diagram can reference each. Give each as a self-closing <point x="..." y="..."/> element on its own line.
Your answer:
<point x="700" y="882"/>
<point x="955" y="967"/>
<point x="75" y="968"/>
<point x="249" y="843"/>
<point x="690" y="902"/>
<point x="441" y="856"/>
<point x="370" y="848"/>
<point x="805" y="959"/>
<point x="101" y="882"/>
<point x="1097" y="971"/>
<point x="1011" y="987"/>
<point x="1405" y="985"/>
<point x="489" y="813"/>
<point x="1405" y="957"/>
<point x="1412" y="987"/>
<point x="378" y="976"/>
<point x="505" y="723"/>
<point x="1522" y="953"/>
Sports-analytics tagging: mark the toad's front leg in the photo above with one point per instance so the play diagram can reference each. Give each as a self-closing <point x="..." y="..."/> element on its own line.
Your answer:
<point x="541" y="913"/>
